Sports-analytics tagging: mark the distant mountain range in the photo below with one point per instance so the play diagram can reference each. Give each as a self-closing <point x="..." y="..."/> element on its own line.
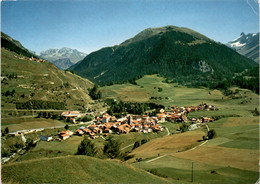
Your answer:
<point x="246" y="45"/>
<point x="177" y="53"/>
<point x="62" y="58"/>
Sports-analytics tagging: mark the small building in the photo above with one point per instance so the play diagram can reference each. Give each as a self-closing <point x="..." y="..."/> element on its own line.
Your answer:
<point x="46" y="138"/>
<point x="71" y="114"/>
<point x="205" y="120"/>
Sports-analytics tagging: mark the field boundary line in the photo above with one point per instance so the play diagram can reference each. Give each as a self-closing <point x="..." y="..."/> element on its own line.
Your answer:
<point x="245" y="131"/>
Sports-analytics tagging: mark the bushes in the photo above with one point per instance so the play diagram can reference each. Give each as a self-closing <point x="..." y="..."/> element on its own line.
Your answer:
<point x="87" y="118"/>
<point x="211" y="134"/>
<point x="139" y="143"/>
<point x="86" y="147"/>
<point x="184" y="127"/>
<point x="5" y="131"/>
<point x="112" y="148"/>
<point x="94" y="93"/>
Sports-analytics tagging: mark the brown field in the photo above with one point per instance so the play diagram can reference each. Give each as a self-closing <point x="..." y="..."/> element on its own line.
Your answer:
<point x="221" y="156"/>
<point x="169" y="144"/>
<point x="25" y="124"/>
<point x="131" y="93"/>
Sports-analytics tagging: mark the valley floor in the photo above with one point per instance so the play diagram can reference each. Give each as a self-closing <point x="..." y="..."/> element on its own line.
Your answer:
<point x="232" y="157"/>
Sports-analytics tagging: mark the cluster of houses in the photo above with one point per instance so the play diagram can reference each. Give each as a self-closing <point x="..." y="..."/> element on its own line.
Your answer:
<point x="33" y="59"/>
<point x="109" y="124"/>
<point x="179" y="114"/>
<point x="106" y="124"/>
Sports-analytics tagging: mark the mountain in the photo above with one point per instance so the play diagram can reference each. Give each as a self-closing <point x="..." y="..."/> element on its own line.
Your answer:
<point x="24" y="79"/>
<point x="177" y="53"/>
<point x="246" y="45"/>
<point x="62" y="58"/>
<point x="15" y="46"/>
<point x="63" y="63"/>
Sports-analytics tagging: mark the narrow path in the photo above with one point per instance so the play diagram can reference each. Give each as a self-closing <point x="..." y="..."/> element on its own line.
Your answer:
<point x="198" y="146"/>
<point x="57" y="77"/>
<point x="102" y="137"/>
<point x="207" y="127"/>
<point x="126" y="147"/>
<point x="168" y="132"/>
<point x="155" y="158"/>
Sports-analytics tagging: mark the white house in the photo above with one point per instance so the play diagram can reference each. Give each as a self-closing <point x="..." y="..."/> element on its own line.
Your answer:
<point x="45" y="138"/>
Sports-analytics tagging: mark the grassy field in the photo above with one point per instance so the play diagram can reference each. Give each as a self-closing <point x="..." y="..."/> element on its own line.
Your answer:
<point x="46" y="149"/>
<point x="169" y="144"/>
<point x="75" y="169"/>
<point x="231" y="157"/>
<point x="127" y="140"/>
<point x="40" y="81"/>
<point x="15" y="124"/>
<point x="173" y="94"/>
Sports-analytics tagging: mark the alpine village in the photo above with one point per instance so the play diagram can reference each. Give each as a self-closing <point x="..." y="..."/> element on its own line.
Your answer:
<point x="168" y="105"/>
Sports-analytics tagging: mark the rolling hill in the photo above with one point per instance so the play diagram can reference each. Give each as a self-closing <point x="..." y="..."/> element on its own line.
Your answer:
<point x="173" y="52"/>
<point x="246" y="45"/>
<point x="24" y="80"/>
<point x="78" y="169"/>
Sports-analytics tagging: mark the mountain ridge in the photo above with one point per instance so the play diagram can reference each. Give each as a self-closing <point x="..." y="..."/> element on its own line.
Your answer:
<point x="15" y="46"/>
<point x="175" y="52"/>
<point x="247" y="45"/>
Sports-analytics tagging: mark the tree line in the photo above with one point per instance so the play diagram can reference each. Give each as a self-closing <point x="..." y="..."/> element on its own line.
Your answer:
<point x="121" y="108"/>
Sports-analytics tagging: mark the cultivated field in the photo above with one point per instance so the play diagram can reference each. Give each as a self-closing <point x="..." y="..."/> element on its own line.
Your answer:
<point x="231" y="157"/>
<point x="15" y="124"/>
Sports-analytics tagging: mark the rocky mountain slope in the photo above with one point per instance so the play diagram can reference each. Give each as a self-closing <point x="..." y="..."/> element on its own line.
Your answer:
<point x="246" y="45"/>
<point x="177" y="53"/>
<point x="62" y="58"/>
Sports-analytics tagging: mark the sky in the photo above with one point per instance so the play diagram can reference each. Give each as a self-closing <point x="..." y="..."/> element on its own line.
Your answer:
<point x="93" y="24"/>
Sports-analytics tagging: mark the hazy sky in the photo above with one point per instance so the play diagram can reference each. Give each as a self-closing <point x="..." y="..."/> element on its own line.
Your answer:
<point x="91" y="25"/>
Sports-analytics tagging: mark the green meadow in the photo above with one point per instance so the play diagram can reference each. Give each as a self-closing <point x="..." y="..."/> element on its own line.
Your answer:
<point x="230" y="158"/>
